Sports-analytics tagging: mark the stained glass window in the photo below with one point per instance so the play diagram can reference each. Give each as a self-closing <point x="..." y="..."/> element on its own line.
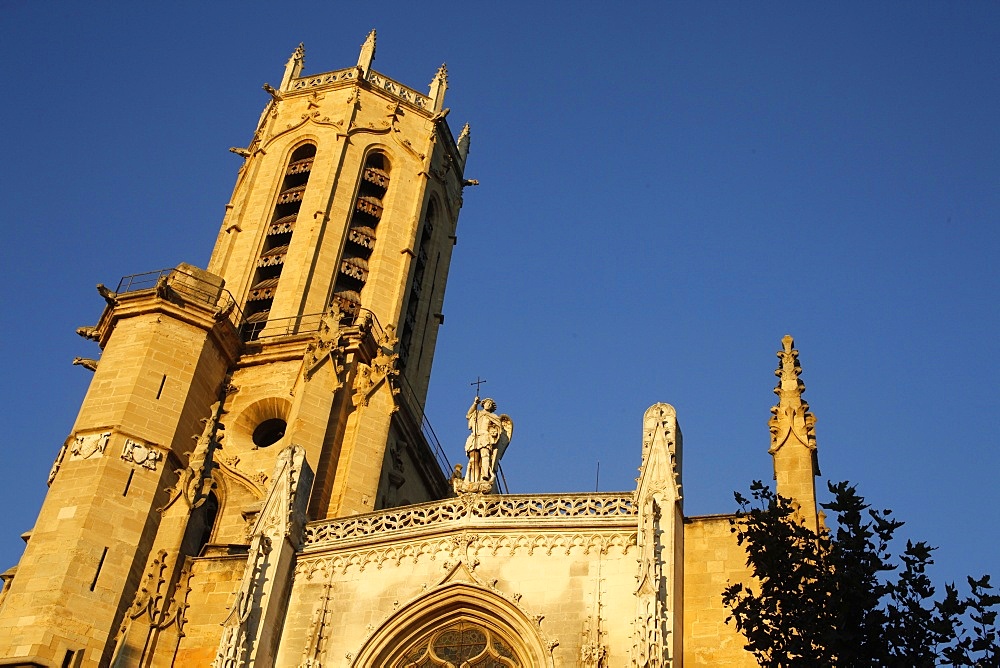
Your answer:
<point x="460" y="645"/>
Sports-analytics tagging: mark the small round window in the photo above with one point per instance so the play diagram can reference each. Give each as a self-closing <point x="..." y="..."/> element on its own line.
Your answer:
<point x="269" y="432"/>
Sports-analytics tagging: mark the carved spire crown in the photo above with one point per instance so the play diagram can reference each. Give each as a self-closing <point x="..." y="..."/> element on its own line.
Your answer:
<point x="791" y="416"/>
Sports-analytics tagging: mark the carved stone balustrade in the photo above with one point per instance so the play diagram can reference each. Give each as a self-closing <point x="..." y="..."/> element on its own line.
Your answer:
<point x="542" y="511"/>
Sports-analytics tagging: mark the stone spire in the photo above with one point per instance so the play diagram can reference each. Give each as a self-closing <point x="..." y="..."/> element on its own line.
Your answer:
<point x="367" y="52"/>
<point x="464" y="139"/>
<point x="293" y="68"/>
<point x="793" y="435"/>
<point x="439" y="84"/>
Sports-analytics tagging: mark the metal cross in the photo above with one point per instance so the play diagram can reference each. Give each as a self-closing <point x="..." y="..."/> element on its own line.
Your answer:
<point x="479" y="381"/>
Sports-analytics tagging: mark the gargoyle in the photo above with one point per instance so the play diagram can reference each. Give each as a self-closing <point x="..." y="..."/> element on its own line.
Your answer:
<point x="85" y="362"/>
<point x="110" y="297"/>
<point x="88" y="333"/>
<point x="275" y="95"/>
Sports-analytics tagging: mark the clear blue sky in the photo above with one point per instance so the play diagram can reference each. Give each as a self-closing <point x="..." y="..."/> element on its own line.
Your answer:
<point x="667" y="189"/>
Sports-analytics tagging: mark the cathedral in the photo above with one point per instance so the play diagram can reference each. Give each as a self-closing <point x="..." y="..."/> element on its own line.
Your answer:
<point x="251" y="480"/>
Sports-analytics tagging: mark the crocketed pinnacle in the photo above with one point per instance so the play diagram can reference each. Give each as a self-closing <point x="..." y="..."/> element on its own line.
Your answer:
<point x="464" y="140"/>
<point x="791" y="417"/>
<point x="367" y="55"/>
<point x="442" y="73"/>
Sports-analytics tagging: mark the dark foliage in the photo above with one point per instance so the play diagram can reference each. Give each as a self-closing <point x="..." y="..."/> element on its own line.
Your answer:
<point x="841" y="598"/>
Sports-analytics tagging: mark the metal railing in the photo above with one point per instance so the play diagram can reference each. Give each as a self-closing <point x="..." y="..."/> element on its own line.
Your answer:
<point x="298" y="324"/>
<point x="426" y="429"/>
<point x="305" y="324"/>
<point x="187" y="285"/>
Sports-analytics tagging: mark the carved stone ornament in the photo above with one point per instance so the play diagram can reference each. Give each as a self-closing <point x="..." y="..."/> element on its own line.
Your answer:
<point x="791" y="419"/>
<point x="141" y="454"/>
<point x="195" y="482"/>
<point x="89" y="445"/>
<point x="326" y="346"/>
<point x="382" y="369"/>
<point x="490" y="435"/>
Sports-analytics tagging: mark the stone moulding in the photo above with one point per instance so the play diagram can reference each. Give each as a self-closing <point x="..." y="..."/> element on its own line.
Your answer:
<point x="488" y="510"/>
<point x="461" y="548"/>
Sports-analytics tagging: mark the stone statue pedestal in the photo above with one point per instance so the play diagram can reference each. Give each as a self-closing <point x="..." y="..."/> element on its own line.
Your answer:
<point x="472" y="487"/>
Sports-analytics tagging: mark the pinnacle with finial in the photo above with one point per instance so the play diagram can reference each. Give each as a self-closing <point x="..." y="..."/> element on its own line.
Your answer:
<point x="367" y="52"/>
<point x="464" y="139"/>
<point x="300" y="52"/>
<point x="442" y="72"/>
<point x="791" y="416"/>
<point x="789" y="385"/>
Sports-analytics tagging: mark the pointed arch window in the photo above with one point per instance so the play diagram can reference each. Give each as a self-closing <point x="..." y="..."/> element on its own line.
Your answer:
<point x="276" y="241"/>
<point x="352" y="272"/>
<point x="457" y="624"/>
<point x="413" y="303"/>
<point x="460" y="644"/>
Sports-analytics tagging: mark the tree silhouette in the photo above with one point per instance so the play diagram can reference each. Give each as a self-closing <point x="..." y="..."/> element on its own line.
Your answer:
<point x="842" y="598"/>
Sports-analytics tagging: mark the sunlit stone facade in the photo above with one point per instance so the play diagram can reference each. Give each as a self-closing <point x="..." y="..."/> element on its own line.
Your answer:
<point x="250" y="480"/>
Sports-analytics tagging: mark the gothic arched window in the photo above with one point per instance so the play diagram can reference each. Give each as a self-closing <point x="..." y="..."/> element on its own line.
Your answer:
<point x="361" y="234"/>
<point x="460" y="644"/>
<point x="457" y="625"/>
<point x="411" y="314"/>
<point x="277" y="239"/>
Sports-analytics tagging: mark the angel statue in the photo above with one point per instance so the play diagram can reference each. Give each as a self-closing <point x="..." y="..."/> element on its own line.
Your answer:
<point x="486" y="444"/>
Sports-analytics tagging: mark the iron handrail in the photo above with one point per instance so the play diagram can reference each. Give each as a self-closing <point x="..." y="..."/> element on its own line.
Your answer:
<point x="212" y="295"/>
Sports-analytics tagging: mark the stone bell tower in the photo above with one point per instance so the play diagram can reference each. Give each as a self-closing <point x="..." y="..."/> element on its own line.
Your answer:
<point x="284" y="383"/>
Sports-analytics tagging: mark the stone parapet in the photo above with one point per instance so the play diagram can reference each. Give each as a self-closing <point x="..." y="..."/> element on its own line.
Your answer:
<point x="543" y="511"/>
<point x="353" y="74"/>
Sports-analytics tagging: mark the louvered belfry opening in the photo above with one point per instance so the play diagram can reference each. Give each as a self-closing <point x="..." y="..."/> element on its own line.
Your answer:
<point x="279" y="235"/>
<point x="417" y="286"/>
<point x="352" y="273"/>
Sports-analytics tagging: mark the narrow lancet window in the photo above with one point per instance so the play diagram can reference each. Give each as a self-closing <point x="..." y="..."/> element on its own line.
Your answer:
<point x="276" y="242"/>
<point x="416" y="297"/>
<point x="352" y="272"/>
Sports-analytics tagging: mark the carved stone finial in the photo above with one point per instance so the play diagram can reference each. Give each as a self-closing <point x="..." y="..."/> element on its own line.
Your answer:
<point x="293" y="68"/>
<point x="438" y="86"/>
<point x="791" y="417"/>
<point x="464" y="140"/>
<point x="367" y="55"/>
<point x="442" y="73"/>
